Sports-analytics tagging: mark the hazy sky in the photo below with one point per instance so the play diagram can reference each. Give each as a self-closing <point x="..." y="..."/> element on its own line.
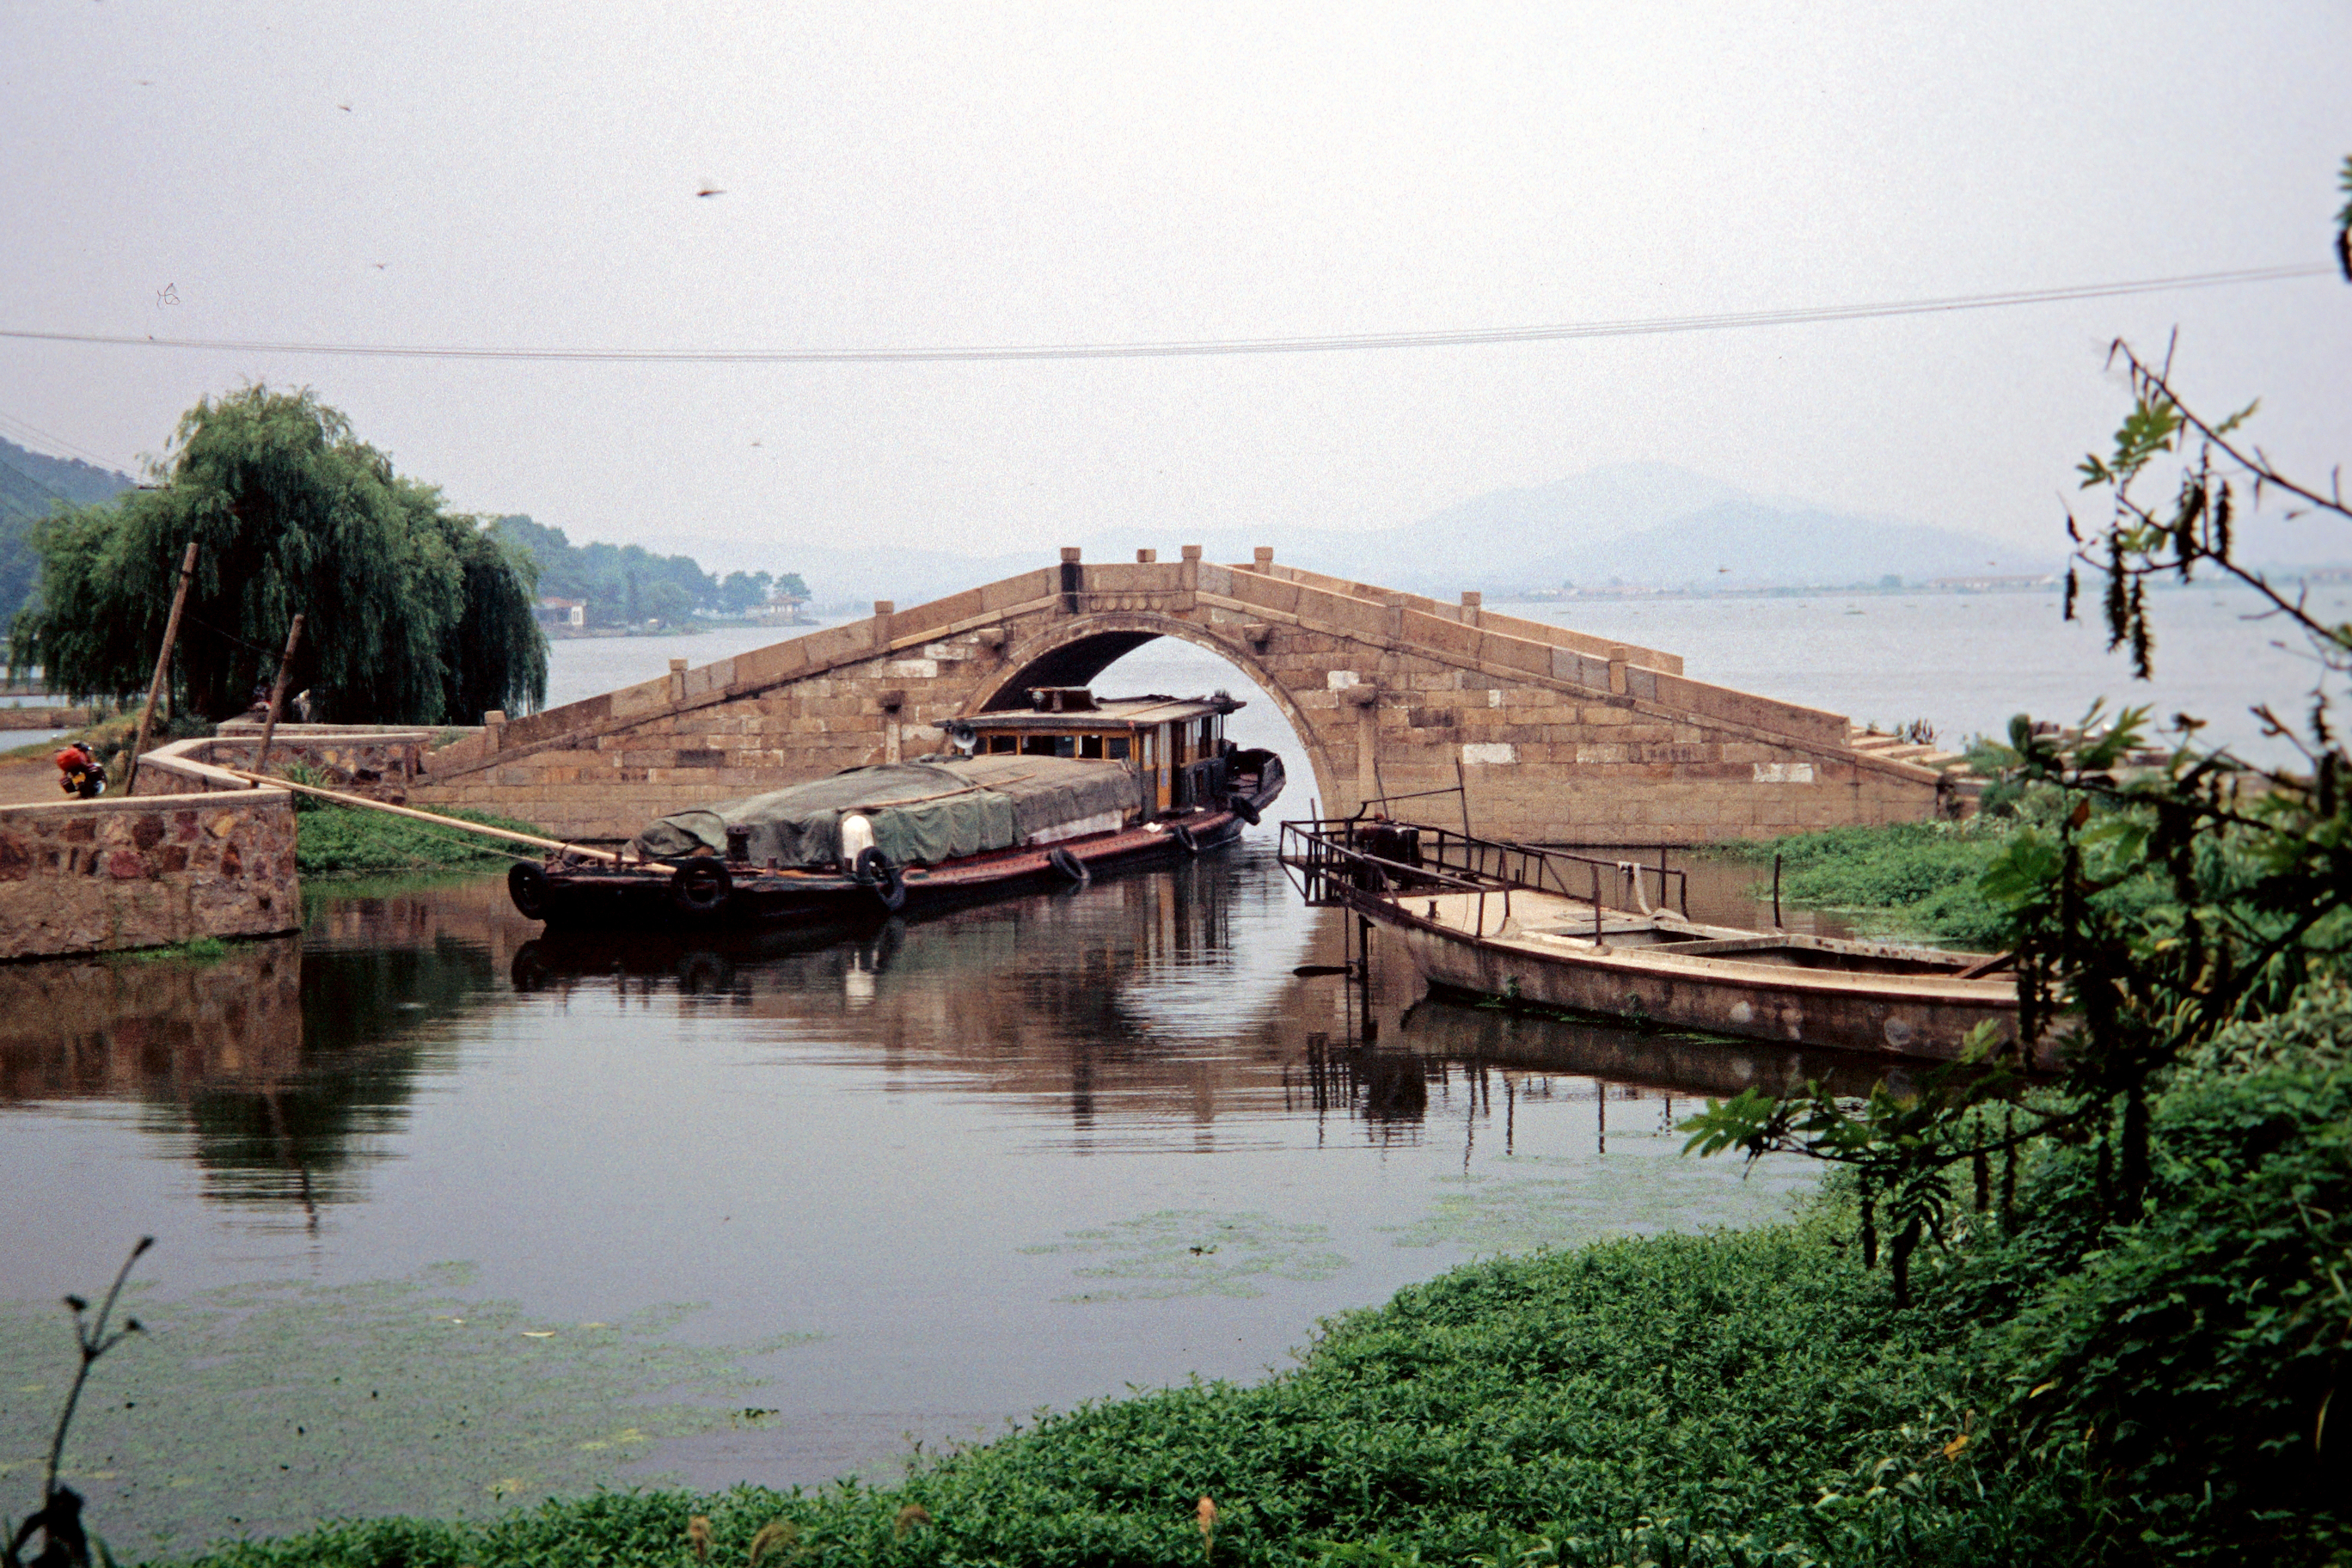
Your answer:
<point x="525" y="174"/>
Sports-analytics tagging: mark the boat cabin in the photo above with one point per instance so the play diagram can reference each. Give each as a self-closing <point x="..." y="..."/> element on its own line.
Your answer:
<point x="1178" y="744"/>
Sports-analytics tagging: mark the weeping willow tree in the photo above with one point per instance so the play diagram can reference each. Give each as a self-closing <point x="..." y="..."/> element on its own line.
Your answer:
<point x="416" y="614"/>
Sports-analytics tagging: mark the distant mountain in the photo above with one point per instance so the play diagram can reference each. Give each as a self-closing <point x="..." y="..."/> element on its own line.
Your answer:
<point x="1743" y="543"/>
<point x="31" y="485"/>
<point x="69" y="479"/>
<point x="1650" y="524"/>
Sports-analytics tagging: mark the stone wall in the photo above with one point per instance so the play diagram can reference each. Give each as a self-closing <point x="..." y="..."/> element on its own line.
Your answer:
<point x="359" y="759"/>
<point x="1556" y="735"/>
<point x="95" y="876"/>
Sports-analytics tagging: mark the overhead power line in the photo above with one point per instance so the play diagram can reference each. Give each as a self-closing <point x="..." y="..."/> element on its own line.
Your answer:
<point x="1461" y="337"/>
<point x="55" y="443"/>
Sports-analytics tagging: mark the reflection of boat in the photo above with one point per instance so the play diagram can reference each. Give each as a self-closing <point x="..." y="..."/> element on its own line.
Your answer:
<point x="1535" y="926"/>
<point x="1030" y="798"/>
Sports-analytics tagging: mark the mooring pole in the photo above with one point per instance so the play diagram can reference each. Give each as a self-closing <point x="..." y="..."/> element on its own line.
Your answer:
<point x="277" y="698"/>
<point x="1776" y="892"/>
<point x="162" y="667"/>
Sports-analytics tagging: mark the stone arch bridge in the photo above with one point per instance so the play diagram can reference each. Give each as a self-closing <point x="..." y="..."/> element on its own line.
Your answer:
<point x="1556" y="735"/>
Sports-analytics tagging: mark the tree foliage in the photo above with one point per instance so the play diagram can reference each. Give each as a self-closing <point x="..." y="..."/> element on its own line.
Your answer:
<point x="416" y="614"/>
<point x="2182" y="1314"/>
<point x="623" y="585"/>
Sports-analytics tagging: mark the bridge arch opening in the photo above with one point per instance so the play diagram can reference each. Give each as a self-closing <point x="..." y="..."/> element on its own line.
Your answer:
<point x="1132" y="654"/>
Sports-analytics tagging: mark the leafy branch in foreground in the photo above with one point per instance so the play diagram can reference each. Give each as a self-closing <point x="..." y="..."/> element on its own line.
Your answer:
<point x="64" y="1541"/>
<point x="2166" y="895"/>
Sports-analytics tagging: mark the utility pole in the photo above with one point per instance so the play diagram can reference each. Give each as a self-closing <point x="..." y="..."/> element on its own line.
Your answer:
<point x="162" y="667"/>
<point x="277" y="698"/>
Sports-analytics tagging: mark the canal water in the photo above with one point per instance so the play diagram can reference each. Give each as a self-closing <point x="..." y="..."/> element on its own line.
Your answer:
<point x="450" y="1218"/>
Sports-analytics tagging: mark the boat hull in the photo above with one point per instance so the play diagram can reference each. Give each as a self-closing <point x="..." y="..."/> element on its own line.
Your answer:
<point x="644" y="899"/>
<point x="1923" y="1017"/>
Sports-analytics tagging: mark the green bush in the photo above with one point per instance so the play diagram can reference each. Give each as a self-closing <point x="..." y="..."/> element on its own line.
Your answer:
<point x="2191" y="1362"/>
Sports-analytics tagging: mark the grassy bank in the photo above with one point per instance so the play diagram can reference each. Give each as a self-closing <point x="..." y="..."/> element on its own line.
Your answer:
<point x="349" y="841"/>
<point x="1908" y="878"/>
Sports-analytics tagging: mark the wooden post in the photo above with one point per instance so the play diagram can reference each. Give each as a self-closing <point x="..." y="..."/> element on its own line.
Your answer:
<point x="277" y="697"/>
<point x="162" y="667"/>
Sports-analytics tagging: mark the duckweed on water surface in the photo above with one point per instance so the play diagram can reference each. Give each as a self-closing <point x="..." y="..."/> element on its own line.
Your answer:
<point x="1192" y="1252"/>
<point x="277" y="1407"/>
<point x="1542" y="1201"/>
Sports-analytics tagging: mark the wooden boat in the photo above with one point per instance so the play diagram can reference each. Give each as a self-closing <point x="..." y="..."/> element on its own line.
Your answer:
<point x="1552" y="929"/>
<point x="1038" y="797"/>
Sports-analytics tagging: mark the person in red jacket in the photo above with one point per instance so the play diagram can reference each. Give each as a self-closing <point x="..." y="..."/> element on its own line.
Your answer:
<point x="80" y="772"/>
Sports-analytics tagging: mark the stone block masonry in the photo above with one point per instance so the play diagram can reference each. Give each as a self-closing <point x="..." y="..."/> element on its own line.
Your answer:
<point x="98" y="876"/>
<point x="1555" y="735"/>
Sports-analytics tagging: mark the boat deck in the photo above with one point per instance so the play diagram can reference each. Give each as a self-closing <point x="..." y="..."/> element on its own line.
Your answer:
<point x="1549" y="926"/>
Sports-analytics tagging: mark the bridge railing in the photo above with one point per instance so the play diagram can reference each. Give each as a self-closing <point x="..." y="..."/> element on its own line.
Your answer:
<point x="1361" y="860"/>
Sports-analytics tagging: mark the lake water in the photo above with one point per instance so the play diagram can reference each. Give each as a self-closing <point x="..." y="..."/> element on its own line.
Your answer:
<point x="450" y="1218"/>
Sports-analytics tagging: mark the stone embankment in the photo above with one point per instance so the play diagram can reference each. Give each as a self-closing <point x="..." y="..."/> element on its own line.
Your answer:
<point x="97" y="875"/>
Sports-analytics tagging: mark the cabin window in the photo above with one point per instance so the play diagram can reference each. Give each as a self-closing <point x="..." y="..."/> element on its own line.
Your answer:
<point x="1036" y="745"/>
<point x="1003" y="742"/>
<point x="1115" y="747"/>
<point x="1090" y="746"/>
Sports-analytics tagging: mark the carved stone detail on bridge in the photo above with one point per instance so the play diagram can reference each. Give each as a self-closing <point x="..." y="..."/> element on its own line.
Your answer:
<point x="1556" y="735"/>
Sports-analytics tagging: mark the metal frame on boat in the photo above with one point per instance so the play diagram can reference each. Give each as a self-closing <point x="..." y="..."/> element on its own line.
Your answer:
<point x="1537" y="925"/>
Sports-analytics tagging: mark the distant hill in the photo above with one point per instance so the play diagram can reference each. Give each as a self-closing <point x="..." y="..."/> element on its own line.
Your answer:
<point x="31" y="485"/>
<point x="1643" y="523"/>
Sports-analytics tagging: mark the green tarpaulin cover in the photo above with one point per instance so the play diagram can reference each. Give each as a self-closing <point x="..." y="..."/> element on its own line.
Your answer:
<point x="923" y="813"/>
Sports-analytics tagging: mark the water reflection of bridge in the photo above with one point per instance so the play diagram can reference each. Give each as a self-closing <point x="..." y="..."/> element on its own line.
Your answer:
<point x="1150" y="1011"/>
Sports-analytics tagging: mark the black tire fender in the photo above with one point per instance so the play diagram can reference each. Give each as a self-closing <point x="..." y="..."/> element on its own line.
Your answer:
<point x="1242" y="806"/>
<point x="888" y="884"/>
<point x="532" y="893"/>
<point x="1069" y="865"/>
<point x="701" y="886"/>
<point x="1185" y="839"/>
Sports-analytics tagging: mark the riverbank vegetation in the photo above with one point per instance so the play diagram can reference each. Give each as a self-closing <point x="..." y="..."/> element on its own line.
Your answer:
<point x="1906" y="879"/>
<point x="333" y="841"/>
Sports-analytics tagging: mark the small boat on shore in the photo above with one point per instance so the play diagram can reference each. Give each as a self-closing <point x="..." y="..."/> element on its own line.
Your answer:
<point x="1042" y="797"/>
<point x="1549" y="928"/>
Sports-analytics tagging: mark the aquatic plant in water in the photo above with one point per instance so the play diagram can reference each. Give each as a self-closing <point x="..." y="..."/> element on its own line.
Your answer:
<point x="1535" y="1202"/>
<point x="1194" y="1252"/>
<point x="270" y="1408"/>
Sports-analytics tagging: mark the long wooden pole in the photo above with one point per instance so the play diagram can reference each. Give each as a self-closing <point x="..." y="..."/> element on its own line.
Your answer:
<point x="162" y="667"/>
<point x="339" y="798"/>
<point x="277" y="697"/>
